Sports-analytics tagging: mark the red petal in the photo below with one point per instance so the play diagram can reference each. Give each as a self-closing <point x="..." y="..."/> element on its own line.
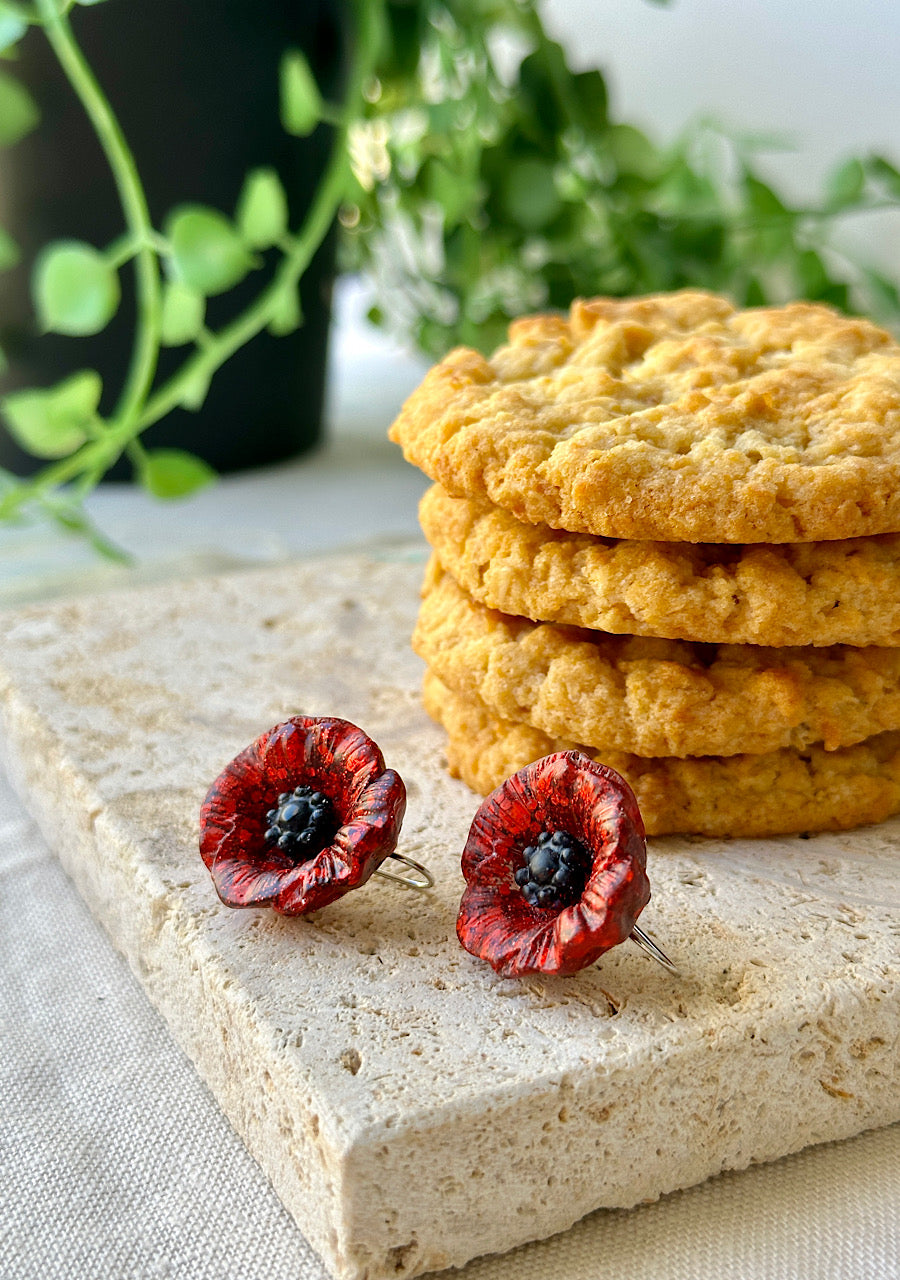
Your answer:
<point x="335" y="757"/>
<point x="565" y="791"/>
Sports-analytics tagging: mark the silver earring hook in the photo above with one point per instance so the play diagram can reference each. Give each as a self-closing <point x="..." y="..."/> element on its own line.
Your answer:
<point x="420" y="877"/>
<point x="649" y="947"/>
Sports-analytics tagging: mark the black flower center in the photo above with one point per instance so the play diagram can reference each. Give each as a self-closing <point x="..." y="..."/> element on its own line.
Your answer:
<point x="555" y="871"/>
<point x="302" y="823"/>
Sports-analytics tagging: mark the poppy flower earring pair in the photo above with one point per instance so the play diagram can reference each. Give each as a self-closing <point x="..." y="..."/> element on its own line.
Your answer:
<point x="555" y="862"/>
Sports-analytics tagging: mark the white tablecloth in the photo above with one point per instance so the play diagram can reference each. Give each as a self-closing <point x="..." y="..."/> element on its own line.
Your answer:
<point x="115" y="1163"/>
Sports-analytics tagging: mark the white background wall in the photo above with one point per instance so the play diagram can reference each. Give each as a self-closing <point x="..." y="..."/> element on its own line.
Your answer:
<point x="825" y="72"/>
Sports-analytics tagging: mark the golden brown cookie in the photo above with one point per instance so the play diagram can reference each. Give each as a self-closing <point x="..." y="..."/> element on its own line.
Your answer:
<point x="818" y="593"/>
<point x="672" y="417"/>
<point x="748" y="795"/>
<point x="654" y="697"/>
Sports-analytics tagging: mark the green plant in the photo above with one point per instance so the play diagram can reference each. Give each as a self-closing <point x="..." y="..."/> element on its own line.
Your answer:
<point x="476" y="176"/>
<point x="489" y="192"/>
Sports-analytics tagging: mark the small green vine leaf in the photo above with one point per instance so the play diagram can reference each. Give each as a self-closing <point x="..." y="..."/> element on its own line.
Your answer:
<point x="13" y="26"/>
<point x="174" y="473"/>
<point x="209" y="254"/>
<point x="301" y="102"/>
<point x="182" y="314"/>
<point x="262" y="211"/>
<point x="193" y="390"/>
<point x="19" y="112"/>
<point x="76" y="291"/>
<point x="53" y="422"/>
<point x="287" y="315"/>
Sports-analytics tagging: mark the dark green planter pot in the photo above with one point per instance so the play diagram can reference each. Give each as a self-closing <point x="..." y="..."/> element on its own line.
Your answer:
<point x="195" y="87"/>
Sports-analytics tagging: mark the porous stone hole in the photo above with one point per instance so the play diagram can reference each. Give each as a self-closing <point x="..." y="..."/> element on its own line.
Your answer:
<point x="833" y="1089"/>
<point x="351" y="1060"/>
<point x="402" y="1256"/>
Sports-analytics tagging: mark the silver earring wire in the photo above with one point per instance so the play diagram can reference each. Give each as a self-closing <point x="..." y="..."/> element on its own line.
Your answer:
<point x="649" y="947"/>
<point x="420" y="877"/>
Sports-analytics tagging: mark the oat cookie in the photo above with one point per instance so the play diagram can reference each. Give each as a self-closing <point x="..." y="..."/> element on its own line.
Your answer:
<point x="672" y="417"/>
<point x="749" y="795"/>
<point x="654" y="697"/>
<point x="810" y="593"/>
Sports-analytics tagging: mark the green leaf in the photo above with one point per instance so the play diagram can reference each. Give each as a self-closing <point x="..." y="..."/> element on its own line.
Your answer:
<point x="836" y="295"/>
<point x="54" y="422"/>
<point x="762" y="199"/>
<point x="9" y="251"/>
<point x="210" y="257"/>
<point x="845" y="185"/>
<point x="633" y="152"/>
<point x="685" y="194"/>
<point x="590" y="89"/>
<point x="812" y="274"/>
<point x="182" y="314"/>
<point x="262" y="211"/>
<point x="885" y="172"/>
<point x="193" y="391"/>
<point x="772" y="222"/>
<point x="287" y="316"/>
<point x="301" y="102"/>
<point x="174" y="473"/>
<point x="76" y="291"/>
<point x="19" y="112"/>
<point x="457" y="194"/>
<point x="540" y="114"/>
<point x="13" y="25"/>
<point x="401" y="46"/>
<point x="754" y="293"/>
<point x="530" y="195"/>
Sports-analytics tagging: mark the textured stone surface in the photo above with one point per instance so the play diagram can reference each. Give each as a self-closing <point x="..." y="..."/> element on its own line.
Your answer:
<point x="411" y="1108"/>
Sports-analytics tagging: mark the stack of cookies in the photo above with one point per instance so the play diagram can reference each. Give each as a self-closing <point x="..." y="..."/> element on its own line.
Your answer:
<point x="667" y="532"/>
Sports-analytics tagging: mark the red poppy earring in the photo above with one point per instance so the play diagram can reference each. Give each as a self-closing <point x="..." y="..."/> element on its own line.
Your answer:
<point x="303" y="815"/>
<point x="555" y="868"/>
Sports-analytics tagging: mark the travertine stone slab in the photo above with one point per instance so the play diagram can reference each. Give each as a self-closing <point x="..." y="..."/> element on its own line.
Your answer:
<point x="411" y="1108"/>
